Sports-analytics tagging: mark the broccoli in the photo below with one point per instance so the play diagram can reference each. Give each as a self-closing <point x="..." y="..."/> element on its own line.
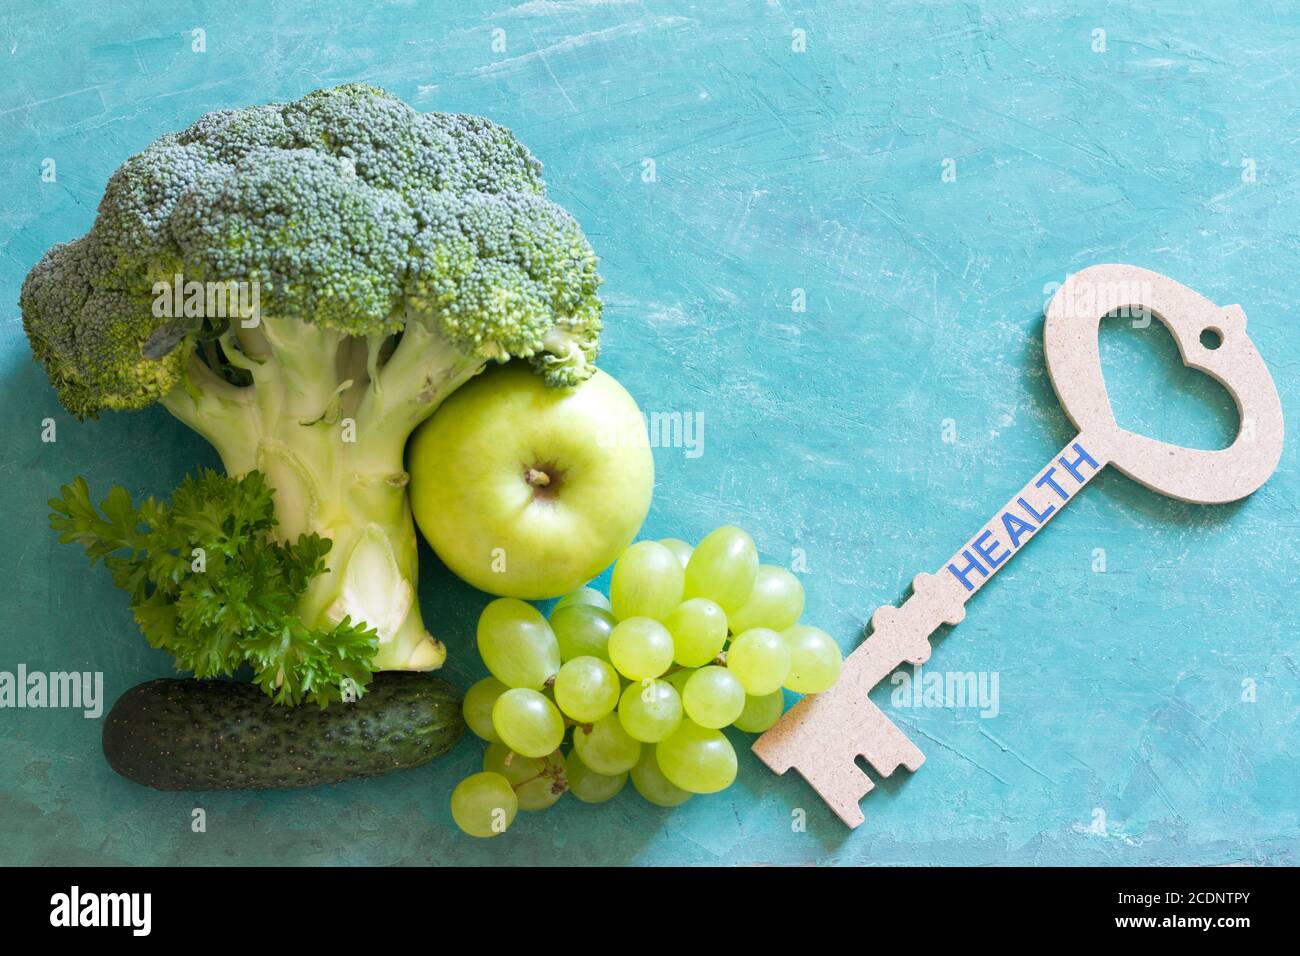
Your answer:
<point x="391" y="254"/>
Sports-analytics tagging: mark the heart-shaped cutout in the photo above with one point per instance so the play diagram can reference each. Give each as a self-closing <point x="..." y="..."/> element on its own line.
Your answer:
<point x="1209" y="337"/>
<point x="1153" y="393"/>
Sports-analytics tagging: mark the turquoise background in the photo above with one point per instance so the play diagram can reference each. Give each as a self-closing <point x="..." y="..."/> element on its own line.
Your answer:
<point x="1122" y="735"/>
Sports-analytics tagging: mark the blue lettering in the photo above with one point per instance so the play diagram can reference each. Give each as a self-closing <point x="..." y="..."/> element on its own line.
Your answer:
<point x="1016" y="528"/>
<point x="987" y="553"/>
<point x="963" y="574"/>
<point x="1039" y="516"/>
<point x="1048" y="480"/>
<point x="1073" y="466"/>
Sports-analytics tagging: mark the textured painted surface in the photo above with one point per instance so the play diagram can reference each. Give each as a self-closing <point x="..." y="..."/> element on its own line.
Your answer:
<point x="1122" y="735"/>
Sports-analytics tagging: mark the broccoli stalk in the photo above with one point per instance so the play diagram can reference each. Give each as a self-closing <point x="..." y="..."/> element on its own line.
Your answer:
<point x="393" y="254"/>
<point x="329" y="438"/>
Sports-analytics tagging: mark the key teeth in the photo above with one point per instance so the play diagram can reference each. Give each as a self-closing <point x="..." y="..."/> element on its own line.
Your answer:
<point x="844" y="798"/>
<point x="833" y="771"/>
<point x="852" y="817"/>
<point x="774" y="758"/>
<point x="911" y="761"/>
<point x="841" y="790"/>
<point x="893" y="750"/>
<point x="851" y="811"/>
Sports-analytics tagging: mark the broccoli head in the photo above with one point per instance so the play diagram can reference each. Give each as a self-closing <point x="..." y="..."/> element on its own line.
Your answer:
<point x="351" y="211"/>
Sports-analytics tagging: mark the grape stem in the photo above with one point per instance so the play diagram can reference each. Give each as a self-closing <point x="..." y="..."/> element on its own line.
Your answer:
<point x="560" y="783"/>
<point x="719" y="661"/>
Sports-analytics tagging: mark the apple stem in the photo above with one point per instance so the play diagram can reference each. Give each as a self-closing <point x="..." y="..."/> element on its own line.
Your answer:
<point x="537" y="478"/>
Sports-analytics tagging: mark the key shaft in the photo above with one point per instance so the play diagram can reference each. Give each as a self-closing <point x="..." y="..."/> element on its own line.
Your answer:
<point x="1016" y="522"/>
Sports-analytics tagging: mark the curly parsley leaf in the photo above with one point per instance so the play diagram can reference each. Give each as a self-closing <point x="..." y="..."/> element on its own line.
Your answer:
<point x="211" y="585"/>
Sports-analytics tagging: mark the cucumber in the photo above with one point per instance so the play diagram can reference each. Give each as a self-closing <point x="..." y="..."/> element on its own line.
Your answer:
<point x="219" y="735"/>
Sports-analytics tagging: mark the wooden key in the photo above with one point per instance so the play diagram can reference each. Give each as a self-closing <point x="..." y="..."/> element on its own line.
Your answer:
<point x="823" y="735"/>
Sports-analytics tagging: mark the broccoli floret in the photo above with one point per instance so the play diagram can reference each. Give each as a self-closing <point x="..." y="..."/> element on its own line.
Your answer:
<point x="393" y="253"/>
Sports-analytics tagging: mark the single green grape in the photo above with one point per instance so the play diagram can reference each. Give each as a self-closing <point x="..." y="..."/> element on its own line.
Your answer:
<point x="537" y="783"/>
<point x="678" y="547"/>
<point x="699" y="630"/>
<point x="527" y="722"/>
<point x="650" y="710"/>
<point x="517" y="645"/>
<point x="484" y="804"/>
<point x="587" y="596"/>
<point x="477" y="708"/>
<point x="760" y="659"/>
<point x="640" y="647"/>
<point x="815" y="659"/>
<point x="697" y="759"/>
<point x="606" y="748"/>
<point x="713" y="697"/>
<point x="647" y="582"/>
<point x="582" y="630"/>
<point x="775" y="602"/>
<point x="722" y="568"/>
<point x="587" y="689"/>
<point x="760" y="713"/>
<point x="589" y="786"/>
<point x="651" y="783"/>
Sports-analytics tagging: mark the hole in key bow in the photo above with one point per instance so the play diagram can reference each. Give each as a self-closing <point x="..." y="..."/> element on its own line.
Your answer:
<point x="1153" y="393"/>
<point x="1211" y="339"/>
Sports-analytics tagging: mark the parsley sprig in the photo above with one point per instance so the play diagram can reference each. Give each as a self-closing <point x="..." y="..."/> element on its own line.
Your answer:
<point x="211" y="585"/>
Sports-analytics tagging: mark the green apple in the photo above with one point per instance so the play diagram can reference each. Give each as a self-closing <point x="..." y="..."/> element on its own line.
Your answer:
<point x="529" y="491"/>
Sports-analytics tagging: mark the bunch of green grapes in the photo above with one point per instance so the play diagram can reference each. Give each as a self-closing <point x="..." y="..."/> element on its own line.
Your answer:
<point x="641" y="683"/>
